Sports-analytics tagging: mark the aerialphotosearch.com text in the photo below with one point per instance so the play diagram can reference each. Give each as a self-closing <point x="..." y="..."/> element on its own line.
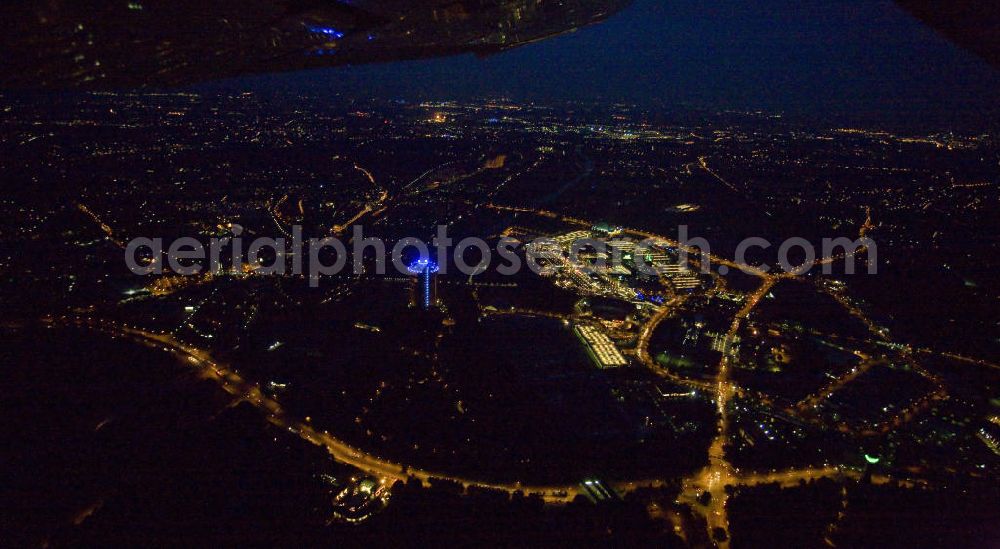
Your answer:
<point x="321" y="257"/>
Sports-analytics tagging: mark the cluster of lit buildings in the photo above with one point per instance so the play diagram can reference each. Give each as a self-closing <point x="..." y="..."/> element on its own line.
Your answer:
<point x="990" y="434"/>
<point x="600" y="347"/>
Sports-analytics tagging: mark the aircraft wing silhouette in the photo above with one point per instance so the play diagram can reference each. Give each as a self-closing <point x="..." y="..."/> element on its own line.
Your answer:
<point x="972" y="24"/>
<point x="104" y="44"/>
<point x="143" y="44"/>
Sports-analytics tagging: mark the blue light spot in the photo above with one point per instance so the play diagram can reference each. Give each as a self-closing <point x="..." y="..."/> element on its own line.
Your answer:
<point x="423" y="265"/>
<point x="327" y="31"/>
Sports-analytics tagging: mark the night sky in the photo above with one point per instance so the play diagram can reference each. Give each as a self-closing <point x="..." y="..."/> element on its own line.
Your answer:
<point x="857" y="59"/>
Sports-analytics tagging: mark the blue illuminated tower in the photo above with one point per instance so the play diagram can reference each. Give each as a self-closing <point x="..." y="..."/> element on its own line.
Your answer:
<point x="425" y="290"/>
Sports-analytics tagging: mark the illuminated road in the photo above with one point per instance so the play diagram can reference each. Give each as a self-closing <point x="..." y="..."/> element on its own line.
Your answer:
<point x="486" y="313"/>
<point x="277" y="218"/>
<point x="376" y="206"/>
<point x="866" y="227"/>
<point x="341" y="451"/>
<point x="703" y="164"/>
<point x="643" y="354"/>
<point x="714" y="478"/>
<point x="969" y="360"/>
<point x="813" y="400"/>
<point x="104" y="226"/>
